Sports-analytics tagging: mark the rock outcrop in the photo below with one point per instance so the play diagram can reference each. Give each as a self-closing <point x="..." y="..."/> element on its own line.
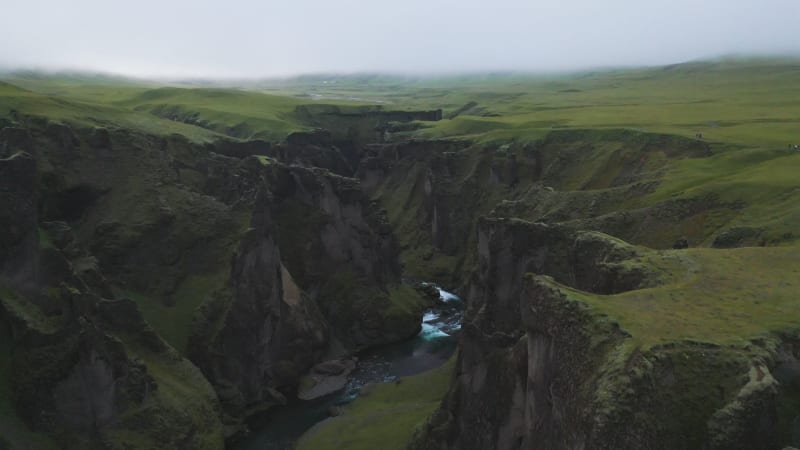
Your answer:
<point x="264" y="332"/>
<point x="83" y="369"/>
<point x="20" y="240"/>
<point x="436" y="191"/>
<point x="156" y="291"/>
<point x="326" y="378"/>
<point x="316" y="273"/>
<point x="88" y="370"/>
<point x="543" y="368"/>
<point x="283" y="265"/>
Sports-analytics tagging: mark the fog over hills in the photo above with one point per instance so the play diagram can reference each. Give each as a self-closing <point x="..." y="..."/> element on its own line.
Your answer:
<point x="245" y="38"/>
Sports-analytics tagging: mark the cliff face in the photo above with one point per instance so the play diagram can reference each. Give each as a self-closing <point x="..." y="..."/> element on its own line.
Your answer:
<point x="543" y="366"/>
<point x="309" y="149"/>
<point x="253" y="269"/>
<point x="565" y="343"/>
<point x="436" y="191"/>
<point x="315" y="274"/>
<point x="262" y="332"/>
<point x="156" y="291"/>
<point x="18" y="194"/>
<point x="82" y="368"/>
<point x="525" y="353"/>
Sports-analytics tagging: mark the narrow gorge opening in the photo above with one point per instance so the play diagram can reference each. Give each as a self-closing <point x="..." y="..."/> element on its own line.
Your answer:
<point x="437" y="341"/>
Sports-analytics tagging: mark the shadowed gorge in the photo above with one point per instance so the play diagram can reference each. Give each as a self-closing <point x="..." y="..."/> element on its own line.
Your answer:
<point x="597" y="261"/>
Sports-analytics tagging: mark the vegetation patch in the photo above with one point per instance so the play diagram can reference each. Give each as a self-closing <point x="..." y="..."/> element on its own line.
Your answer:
<point x="173" y="319"/>
<point x="183" y="400"/>
<point x="725" y="297"/>
<point x="385" y="416"/>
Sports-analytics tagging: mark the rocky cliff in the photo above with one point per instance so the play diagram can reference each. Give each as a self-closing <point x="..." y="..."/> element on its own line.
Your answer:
<point x="156" y="291"/>
<point x="577" y="339"/>
<point x="314" y="275"/>
<point x="154" y="288"/>
<point x="436" y="191"/>
<point x="85" y="369"/>
<point x="544" y="364"/>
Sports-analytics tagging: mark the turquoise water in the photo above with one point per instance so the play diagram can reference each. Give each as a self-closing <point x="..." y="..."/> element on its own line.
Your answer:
<point x="279" y="428"/>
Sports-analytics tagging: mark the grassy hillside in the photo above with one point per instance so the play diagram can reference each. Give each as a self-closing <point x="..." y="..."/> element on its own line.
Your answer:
<point x="202" y="115"/>
<point x="385" y="416"/>
<point x="15" y="101"/>
<point x="241" y="114"/>
<point x="719" y="296"/>
<point x="742" y="101"/>
<point x="739" y="101"/>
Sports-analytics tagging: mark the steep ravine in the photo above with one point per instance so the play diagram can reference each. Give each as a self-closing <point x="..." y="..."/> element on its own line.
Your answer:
<point x="541" y="366"/>
<point x="195" y="288"/>
<point x="280" y="427"/>
<point x="159" y="292"/>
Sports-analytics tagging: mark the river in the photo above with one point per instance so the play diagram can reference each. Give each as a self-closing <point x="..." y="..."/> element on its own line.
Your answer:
<point x="279" y="428"/>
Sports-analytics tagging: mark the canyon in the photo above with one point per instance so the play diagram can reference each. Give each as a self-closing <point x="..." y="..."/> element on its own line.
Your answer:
<point x="172" y="280"/>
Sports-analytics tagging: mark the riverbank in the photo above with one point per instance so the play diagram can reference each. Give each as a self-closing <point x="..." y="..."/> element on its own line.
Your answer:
<point x="426" y="355"/>
<point x="385" y="416"/>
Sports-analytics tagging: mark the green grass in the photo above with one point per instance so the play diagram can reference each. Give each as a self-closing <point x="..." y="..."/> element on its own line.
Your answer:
<point x="717" y="296"/>
<point x="405" y="300"/>
<point x="743" y="108"/>
<point x="87" y="114"/>
<point x="202" y="115"/>
<point x="237" y="113"/>
<point x="386" y="417"/>
<point x="729" y="100"/>
<point x="183" y="396"/>
<point x="174" y="322"/>
<point x="734" y="101"/>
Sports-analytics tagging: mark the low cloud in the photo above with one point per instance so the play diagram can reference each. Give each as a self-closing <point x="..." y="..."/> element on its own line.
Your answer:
<point x="269" y="38"/>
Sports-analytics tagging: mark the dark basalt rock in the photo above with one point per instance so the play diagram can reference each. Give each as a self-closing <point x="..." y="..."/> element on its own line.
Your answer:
<point x="19" y="220"/>
<point x="326" y="378"/>
<point x="540" y="369"/>
<point x="315" y="247"/>
<point x="64" y="138"/>
<point x="122" y="212"/>
<point x="100" y="139"/>
<point x="14" y="140"/>
<point x="681" y="244"/>
<point x="331" y="367"/>
<point x="271" y="331"/>
<point x="318" y="137"/>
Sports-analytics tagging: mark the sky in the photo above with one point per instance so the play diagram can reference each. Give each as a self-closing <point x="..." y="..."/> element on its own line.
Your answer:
<point x="250" y="38"/>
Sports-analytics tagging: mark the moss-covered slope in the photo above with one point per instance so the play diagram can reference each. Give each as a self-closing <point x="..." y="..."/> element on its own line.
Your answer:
<point x="569" y="357"/>
<point x="105" y="223"/>
<point x="649" y="189"/>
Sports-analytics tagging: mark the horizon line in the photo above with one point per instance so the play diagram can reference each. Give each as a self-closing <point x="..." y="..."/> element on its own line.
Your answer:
<point x="418" y="74"/>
